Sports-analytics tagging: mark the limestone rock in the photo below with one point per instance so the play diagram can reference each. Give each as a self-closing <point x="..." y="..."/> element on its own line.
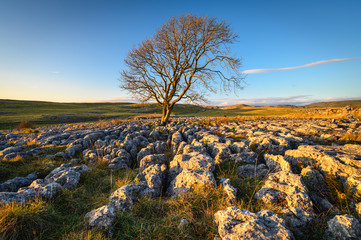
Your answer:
<point x="285" y="187"/>
<point x="152" y="159"/>
<point x="14" y="184"/>
<point x="276" y="163"/>
<point x="297" y="219"/>
<point x="343" y="227"/>
<point x="102" y="217"/>
<point x="234" y="223"/>
<point x="314" y="180"/>
<point x="189" y="179"/>
<point x="229" y="189"/>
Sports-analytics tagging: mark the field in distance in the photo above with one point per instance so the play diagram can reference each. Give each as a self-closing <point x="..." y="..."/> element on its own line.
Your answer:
<point x="12" y="112"/>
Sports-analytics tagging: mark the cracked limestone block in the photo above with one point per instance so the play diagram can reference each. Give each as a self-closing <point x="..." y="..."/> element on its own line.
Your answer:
<point x="314" y="180"/>
<point x="177" y="138"/>
<point x="152" y="159"/>
<point x="277" y="163"/>
<point x="220" y="152"/>
<point x="124" y="197"/>
<point x="285" y="187"/>
<point x="298" y="219"/>
<point x="233" y="223"/>
<point x="229" y="190"/>
<point x="102" y="217"/>
<point x="189" y="179"/>
<point x="343" y="227"/>
<point x="193" y="160"/>
<point x="154" y="176"/>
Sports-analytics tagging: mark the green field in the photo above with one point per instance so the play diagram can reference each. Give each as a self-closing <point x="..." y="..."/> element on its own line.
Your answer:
<point x="12" y="112"/>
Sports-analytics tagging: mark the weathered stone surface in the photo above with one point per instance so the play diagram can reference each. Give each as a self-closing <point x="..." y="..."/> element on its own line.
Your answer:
<point x="252" y="170"/>
<point x="71" y="151"/>
<point x="189" y="179"/>
<point x="102" y="217"/>
<point x="358" y="208"/>
<point x="314" y="180"/>
<point x="277" y="163"/>
<point x="285" y="187"/>
<point x="229" y="189"/>
<point x="123" y="198"/>
<point x="66" y="175"/>
<point x="219" y="151"/>
<point x="274" y="144"/>
<point x="14" y="184"/>
<point x="193" y="160"/>
<point x="343" y="227"/>
<point x="234" y="223"/>
<point x="322" y="204"/>
<point x="152" y="159"/>
<point x="177" y="138"/>
<point x="154" y="176"/>
<point x="297" y="219"/>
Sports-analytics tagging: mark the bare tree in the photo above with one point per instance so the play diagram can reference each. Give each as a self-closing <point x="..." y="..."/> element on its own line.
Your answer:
<point x="187" y="55"/>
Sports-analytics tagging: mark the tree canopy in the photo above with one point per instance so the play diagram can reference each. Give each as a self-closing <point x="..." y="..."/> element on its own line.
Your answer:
<point x="187" y="56"/>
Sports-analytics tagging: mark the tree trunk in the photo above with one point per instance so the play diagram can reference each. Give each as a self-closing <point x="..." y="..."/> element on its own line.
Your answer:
<point x="166" y="113"/>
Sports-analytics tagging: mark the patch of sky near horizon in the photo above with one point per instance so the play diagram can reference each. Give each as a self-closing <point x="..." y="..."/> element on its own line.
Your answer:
<point x="73" y="50"/>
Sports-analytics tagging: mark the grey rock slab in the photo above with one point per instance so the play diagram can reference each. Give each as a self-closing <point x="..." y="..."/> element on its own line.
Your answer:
<point x="343" y="227"/>
<point x="152" y="159"/>
<point x="277" y="163"/>
<point x="102" y="217"/>
<point x="229" y="190"/>
<point x="189" y="179"/>
<point x="233" y="223"/>
<point x="14" y="184"/>
<point x="298" y="219"/>
<point x="285" y="187"/>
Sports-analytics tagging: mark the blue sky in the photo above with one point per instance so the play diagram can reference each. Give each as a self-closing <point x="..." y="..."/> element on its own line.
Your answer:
<point x="72" y="51"/>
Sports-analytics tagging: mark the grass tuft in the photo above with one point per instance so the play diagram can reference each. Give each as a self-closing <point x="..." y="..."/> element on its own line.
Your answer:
<point x="32" y="221"/>
<point x="25" y="124"/>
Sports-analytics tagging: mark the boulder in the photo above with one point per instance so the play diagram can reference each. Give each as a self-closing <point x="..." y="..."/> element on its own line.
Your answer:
<point x="343" y="227"/>
<point x="314" y="180"/>
<point x="102" y="217"/>
<point x="285" y="187"/>
<point x="229" y="190"/>
<point x="234" y="223"/>
<point x="188" y="180"/>
<point x="14" y="184"/>
<point x="152" y="159"/>
<point x="297" y="219"/>
<point x="276" y="163"/>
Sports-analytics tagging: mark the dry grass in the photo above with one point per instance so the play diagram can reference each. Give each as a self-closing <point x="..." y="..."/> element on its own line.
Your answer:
<point x="352" y="137"/>
<point x="29" y="221"/>
<point x="24" y="124"/>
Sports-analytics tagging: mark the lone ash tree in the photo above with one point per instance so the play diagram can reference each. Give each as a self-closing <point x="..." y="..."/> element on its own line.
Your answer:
<point x="187" y="55"/>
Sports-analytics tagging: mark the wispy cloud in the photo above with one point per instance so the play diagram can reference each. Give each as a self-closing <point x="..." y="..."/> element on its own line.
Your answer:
<point x="55" y="72"/>
<point x="252" y="71"/>
<point x="271" y="101"/>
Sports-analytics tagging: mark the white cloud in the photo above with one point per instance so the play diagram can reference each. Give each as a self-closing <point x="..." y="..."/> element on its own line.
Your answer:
<point x="55" y="72"/>
<point x="271" y="101"/>
<point x="252" y="71"/>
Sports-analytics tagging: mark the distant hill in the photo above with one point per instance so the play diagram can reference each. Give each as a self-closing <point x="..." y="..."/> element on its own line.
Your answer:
<point x="334" y="104"/>
<point x="235" y="106"/>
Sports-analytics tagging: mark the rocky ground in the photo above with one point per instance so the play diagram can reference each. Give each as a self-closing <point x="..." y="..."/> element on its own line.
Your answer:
<point x="307" y="173"/>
